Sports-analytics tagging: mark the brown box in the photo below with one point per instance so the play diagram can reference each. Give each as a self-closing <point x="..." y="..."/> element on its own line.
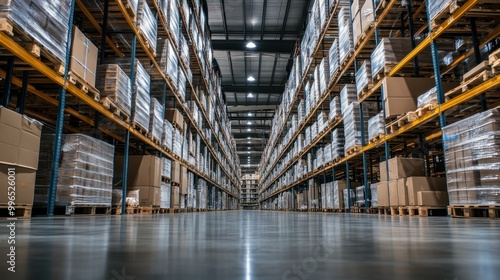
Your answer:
<point x="24" y="184"/>
<point x="395" y="106"/>
<point x="476" y="70"/>
<point x="432" y="198"/>
<point x="383" y="194"/>
<point x="184" y="180"/>
<point x="176" y="171"/>
<point x="406" y="87"/>
<point x="357" y="27"/>
<point x="83" y="57"/>
<point x="356" y="6"/>
<point x="416" y="184"/>
<point x="148" y="196"/>
<point x="142" y="170"/>
<point x="393" y="193"/>
<point x="175" y="197"/>
<point x="383" y="171"/>
<point x="405" y="167"/>
<point x="174" y="117"/>
<point x="366" y="14"/>
<point x="402" y="192"/>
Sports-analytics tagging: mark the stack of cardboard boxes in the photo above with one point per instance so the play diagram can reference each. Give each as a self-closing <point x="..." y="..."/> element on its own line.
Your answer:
<point x="19" y="149"/>
<point x="408" y="186"/>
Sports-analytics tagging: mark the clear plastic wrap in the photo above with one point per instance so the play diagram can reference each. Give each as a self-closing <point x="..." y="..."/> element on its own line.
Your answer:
<point x="346" y="43"/>
<point x="181" y="85"/>
<point x="337" y="143"/>
<point x="46" y="21"/>
<point x="114" y="84"/>
<point x="427" y="98"/>
<point x="165" y="193"/>
<point x="184" y="49"/>
<point x="345" y="197"/>
<point x="363" y="76"/>
<point x="347" y="96"/>
<point x="376" y="125"/>
<point x="156" y="119"/>
<point x="178" y="140"/>
<point x="167" y="137"/>
<point x="166" y="168"/>
<point x="168" y="61"/>
<point x="174" y="20"/>
<point x="436" y="7"/>
<point x="117" y="196"/>
<point x="374" y="195"/>
<point x="352" y="125"/>
<point x="85" y="172"/>
<point x="163" y="8"/>
<point x="324" y="75"/>
<point x="472" y="153"/>
<point x="333" y="58"/>
<point x="360" y="196"/>
<point x="147" y="24"/>
<point x="141" y="99"/>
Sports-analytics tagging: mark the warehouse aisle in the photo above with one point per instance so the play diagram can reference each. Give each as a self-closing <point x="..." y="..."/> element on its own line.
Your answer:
<point x="252" y="245"/>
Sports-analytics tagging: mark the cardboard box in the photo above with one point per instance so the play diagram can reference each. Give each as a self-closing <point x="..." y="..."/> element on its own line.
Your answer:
<point x="176" y="172"/>
<point x="393" y="193"/>
<point x="148" y="196"/>
<point x="405" y="167"/>
<point x="83" y="57"/>
<point x="406" y="87"/>
<point x="175" y="197"/>
<point x="383" y="194"/>
<point x="142" y="170"/>
<point x="356" y="6"/>
<point x="402" y="192"/>
<point x="24" y="184"/>
<point x="367" y="15"/>
<point x="357" y="27"/>
<point x="383" y="171"/>
<point x="184" y="180"/>
<point x="395" y="106"/>
<point x="432" y="198"/>
<point x="416" y="184"/>
<point x="174" y="117"/>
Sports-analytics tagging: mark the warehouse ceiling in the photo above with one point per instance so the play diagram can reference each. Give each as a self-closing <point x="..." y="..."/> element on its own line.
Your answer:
<point x="253" y="77"/>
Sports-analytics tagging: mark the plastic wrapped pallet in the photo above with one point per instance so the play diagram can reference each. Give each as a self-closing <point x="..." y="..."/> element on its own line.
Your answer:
<point x="163" y="8"/>
<point x="347" y="96"/>
<point x="391" y="51"/>
<point x="117" y="196"/>
<point x="360" y="196"/>
<point x="184" y="49"/>
<point x="472" y="153"/>
<point x="166" y="167"/>
<point x="45" y="21"/>
<point x="147" y="24"/>
<point x="165" y="194"/>
<point x="167" y="137"/>
<point x="333" y="58"/>
<point x="181" y="85"/>
<point x="156" y="119"/>
<point x="346" y="44"/>
<point x="141" y="99"/>
<point x="352" y="125"/>
<point x="85" y="172"/>
<point x="337" y="143"/>
<point x="345" y="193"/>
<point x="374" y="195"/>
<point x="363" y="76"/>
<point x="376" y="125"/>
<point x="174" y="20"/>
<point x="335" y="110"/>
<point x="168" y="60"/>
<point x="437" y="7"/>
<point x="177" y="142"/>
<point x="324" y="75"/>
<point x="114" y="84"/>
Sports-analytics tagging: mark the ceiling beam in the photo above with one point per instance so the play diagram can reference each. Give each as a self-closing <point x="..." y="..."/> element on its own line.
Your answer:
<point x="250" y="108"/>
<point x="254" y="89"/>
<point x="262" y="46"/>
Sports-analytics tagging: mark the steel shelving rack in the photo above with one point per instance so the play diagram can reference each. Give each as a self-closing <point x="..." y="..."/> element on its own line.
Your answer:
<point x="95" y="22"/>
<point x="360" y="164"/>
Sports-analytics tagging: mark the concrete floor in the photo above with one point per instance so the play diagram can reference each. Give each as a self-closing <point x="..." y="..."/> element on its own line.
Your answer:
<point x="251" y="245"/>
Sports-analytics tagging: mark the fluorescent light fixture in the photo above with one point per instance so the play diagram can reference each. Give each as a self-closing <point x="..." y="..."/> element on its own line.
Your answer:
<point x="249" y="123"/>
<point x="249" y="114"/>
<point x="250" y="95"/>
<point x="251" y="79"/>
<point x="251" y="45"/>
<point x="248" y="152"/>
<point x="248" y="137"/>
<point x="249" y="129"/>
<point x="249" y="142"/>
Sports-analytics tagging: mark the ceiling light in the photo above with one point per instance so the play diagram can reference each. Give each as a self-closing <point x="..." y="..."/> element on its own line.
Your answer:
<point x="248" y="152"/>
<point x="251" y="45"/>
<point x="249" y="123"/>
<point x="248" y="137"/>
<point x="251" y="79"/>
<point x="249" y="114"/>
<point x="249" y="129"/>
<point x="249" y="142"/>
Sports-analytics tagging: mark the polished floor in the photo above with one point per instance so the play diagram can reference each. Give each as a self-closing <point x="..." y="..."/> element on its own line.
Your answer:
<point x="250" y="245"/>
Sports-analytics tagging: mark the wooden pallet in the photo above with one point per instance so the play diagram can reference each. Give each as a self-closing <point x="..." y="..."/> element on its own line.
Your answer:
<point x="384" y="210"/>
<point x="86" y="210"/>
<point x="139" y="128"/>
<point x="494" y="61"/>
<point x="358" y="210"/>
<point x="313" y="210"/>
<point x="353" y="150"/>
<point x="372" y="210"/>
<point x="149" y="210"/>
<point x="20" y="211"/>
<point x="164" y="210"/>
<point x="420" y="112"/>
<point x="477" y="80"/>
<point x="439" y="18"/>
<point x="165" y="179"/>
<point x="474" y="211"/>
<point x="146" y="42"/>
<point x="153" y="139"/>
<point x="109" y="104"/>
<point x="84" y="86"/>
<point x="130" y="10"/>
<point x="376" y="138"/>
<point x="34" y="47"/>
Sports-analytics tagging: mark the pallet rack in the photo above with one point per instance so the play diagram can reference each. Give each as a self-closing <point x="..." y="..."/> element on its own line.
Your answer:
<point x="249" y="190"/>
<point x="70" y="100"/>
<point x="360" y="163"/>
